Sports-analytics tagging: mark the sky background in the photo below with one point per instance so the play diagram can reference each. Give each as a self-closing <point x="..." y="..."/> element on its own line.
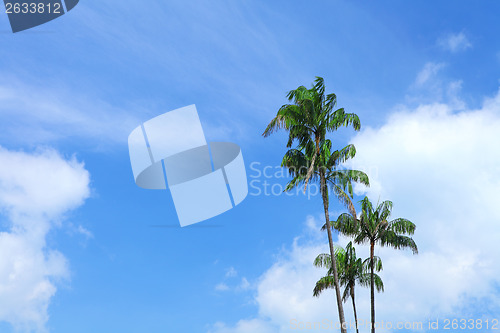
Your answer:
<point x="83" y="249"/>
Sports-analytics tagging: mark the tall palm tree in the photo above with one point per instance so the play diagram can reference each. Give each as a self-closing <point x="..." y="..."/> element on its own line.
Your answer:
<point x="307" y="120"/>
<point x="373" y="228"/>
<point x="351" y="270"/>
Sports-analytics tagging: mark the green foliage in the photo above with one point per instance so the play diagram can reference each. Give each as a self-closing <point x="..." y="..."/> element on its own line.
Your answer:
<point x="307" y="121"/>
<point x="373" y="227"/>
<point x="351" y="271"/>
<point x="311" y="115"/>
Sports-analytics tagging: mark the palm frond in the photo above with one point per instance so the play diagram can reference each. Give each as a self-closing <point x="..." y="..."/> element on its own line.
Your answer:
<point x="323" y="260"/>
<point x="398" y="242"/>
<point x="402" y="226"/>
<point x="323" y="284"/>
<point x="341" y="156"/>
<point x="287" y="116"/>
<point x="379" y="285"/>
<point x="347" y="224"/>
<point x="384" y="210"/>
<point x="377" y="264"/>
<point x="344" y="199"/>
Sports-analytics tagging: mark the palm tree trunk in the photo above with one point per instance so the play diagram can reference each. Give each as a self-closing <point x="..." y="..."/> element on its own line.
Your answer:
<point x="324" y="194"/>
<point x="311" y="167"/>
<point x="372" y="285"/>
<point x="354" y="309"/>
<point x="309" y="172"/>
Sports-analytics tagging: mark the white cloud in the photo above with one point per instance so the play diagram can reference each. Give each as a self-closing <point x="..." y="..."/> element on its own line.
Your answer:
<point x="428" y="73"/>
<point x="455" y="42"/>
<point x="36" y="190"/>
<point x="244" y="285"/>
<point x="284" y="292"/>
<point x="41" y="184"/>
<point x="221" y="287"/>
<point x="85" y="232"/>
<point x="231" y="272"/>
<point x="441" y="168"/>
<point x="431" y="86"/>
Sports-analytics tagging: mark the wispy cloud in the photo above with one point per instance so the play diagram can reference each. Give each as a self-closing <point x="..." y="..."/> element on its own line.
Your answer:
<point x="428" y="73"/>
<point x="221" y="287"/>
<point x="230" y="284"/>
<point x="231" y="272"/>
<point x="36" y="113"/>
<point x="455" y="42"/>
<point x="85" y="232"/>
<point x="244" y="285"/>
<point x="431" y="85"/>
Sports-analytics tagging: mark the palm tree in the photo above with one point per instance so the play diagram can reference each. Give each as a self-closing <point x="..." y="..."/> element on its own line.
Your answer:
<point x="351" y="270"/>
<point x="373" y="228"/>
<point x="307" y="121"/>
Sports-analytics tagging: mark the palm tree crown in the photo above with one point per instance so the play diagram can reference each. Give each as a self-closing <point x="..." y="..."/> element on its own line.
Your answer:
<point x="309" y="118"/>
<point x="373" y="227"/>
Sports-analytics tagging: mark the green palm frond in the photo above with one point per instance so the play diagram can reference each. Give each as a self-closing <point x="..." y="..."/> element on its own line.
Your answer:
<point x="402" y="226"/>
<point x="341" y="156"/>
<point x="364" y="281"/>
<point x="398" y="242"/>
<point x="340" y="118"/>
<point x="295" y="161"/>
<point x="323" y="260"/>
<point x="379" y="285"/>
<point x="384" y="210"/>
<point x="323" y="284"/>
<point x="377" y="264"/>
<point x="347" y="224"/>
<point x="344" y="198"/>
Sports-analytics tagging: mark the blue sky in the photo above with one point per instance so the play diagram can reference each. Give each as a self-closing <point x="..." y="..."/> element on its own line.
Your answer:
<point x="109" y="256"/>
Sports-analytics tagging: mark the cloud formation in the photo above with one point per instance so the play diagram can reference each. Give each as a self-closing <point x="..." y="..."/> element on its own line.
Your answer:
<point x="427" y="73"/>
<point x="36" y="190"/>
<point x="455" y="42"/>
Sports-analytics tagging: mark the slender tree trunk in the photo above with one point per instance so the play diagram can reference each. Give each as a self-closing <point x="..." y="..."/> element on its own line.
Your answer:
<point x="311" y="167"/>
<point x="324" y="194"/>
<point x="354" y="308"/>
<point x="372" y="285"/>
<point x="309" y="172"/>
